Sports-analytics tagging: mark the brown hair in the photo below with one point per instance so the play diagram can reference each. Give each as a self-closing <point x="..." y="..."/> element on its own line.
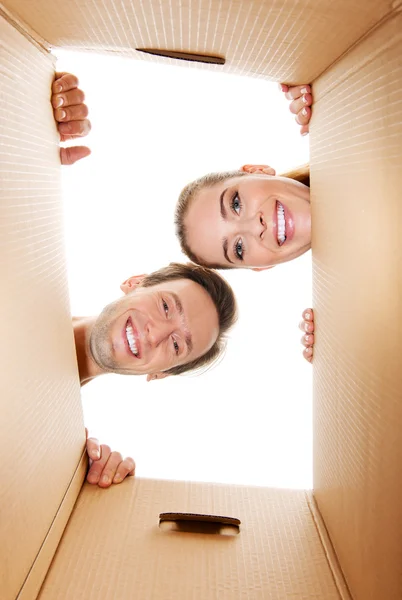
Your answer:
<point x="188" y="193"/>
<point x="221" y="295"/>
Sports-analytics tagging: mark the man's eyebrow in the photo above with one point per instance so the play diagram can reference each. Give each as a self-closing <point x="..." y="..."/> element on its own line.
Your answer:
<point x="222" y="206"/>
<point x="187" y="336"/>
<point x="225" y="250"/>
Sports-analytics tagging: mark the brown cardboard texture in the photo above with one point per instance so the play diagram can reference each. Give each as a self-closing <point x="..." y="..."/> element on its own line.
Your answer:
<point x="346" y="542"/>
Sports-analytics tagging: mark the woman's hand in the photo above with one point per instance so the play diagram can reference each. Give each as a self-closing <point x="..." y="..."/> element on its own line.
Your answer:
<point x="301" y="100"/>
<point x="107" y="467"/>
<point x="70" y="114"/>
<point x="307" y="326"/>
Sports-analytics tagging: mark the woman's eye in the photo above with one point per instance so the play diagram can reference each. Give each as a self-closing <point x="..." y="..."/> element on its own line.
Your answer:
<point x="165" y="307"/>
<point x="176" y="346"/>
<point x="239" y="250"/>
<point x="236" y="203"/>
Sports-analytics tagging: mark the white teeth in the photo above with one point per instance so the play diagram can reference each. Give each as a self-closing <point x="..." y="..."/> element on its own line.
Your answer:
<point x="130" y="339"/>
<point x="281" y="232"/>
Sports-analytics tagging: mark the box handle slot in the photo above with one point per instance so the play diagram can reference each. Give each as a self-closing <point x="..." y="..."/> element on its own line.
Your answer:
<point x="189" y="56"/>
<point x="197" y="523"/>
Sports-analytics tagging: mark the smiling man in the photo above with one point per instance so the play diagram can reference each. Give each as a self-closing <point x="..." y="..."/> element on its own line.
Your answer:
<point x="169" y="322"/>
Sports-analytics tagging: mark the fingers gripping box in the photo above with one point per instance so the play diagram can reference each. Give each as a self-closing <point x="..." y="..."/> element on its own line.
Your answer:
<point x="343" y="539"/>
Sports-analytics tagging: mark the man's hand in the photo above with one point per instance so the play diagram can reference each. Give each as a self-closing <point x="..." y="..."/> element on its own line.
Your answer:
<point x="301" y="100"/>
<point x="70" y="113"/>
<point x="307" y="325"/>
<point x="107" y="467"/>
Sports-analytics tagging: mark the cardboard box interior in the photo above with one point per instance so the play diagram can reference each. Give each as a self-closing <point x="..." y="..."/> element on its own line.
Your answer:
<point x="352" y="52"/>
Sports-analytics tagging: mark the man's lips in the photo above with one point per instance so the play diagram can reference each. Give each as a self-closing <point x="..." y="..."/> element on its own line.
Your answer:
<point x="131" y="339"/>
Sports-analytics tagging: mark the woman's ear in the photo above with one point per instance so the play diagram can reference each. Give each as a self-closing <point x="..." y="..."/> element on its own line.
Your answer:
<point x="262" y="268"/>
<point x="258" y="169"/>
<point x="131" y="283"/>
<point x="160" y="375"/>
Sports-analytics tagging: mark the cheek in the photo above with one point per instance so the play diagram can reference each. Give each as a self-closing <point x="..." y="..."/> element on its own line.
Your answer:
<point x="256" y="253"/>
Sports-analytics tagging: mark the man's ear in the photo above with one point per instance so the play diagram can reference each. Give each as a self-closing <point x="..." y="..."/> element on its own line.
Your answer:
<point x="258" y="169"/>
<point x="160" y="375"/>
<point x="131" y="283"/>
<point x="262" y="268"/>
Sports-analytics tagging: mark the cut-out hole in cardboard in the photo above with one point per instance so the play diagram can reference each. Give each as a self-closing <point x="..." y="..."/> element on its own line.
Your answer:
<point x="190" y="56"/>
<point x="196" y="523"/>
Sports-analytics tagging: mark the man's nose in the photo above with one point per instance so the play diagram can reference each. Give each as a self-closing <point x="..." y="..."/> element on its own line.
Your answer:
<point x="158" y="331"/>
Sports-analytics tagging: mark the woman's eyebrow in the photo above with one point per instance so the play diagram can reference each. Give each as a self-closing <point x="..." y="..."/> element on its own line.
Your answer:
<point x="222" y="206"/>
<point x="225" y="250"/>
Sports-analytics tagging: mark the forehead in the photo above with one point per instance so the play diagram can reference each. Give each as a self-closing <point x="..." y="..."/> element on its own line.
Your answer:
<point x="217" y="188"/>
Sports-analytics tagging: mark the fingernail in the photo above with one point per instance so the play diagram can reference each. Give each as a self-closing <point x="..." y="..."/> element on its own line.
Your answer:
<point x="303" y="112"/>
<point x="304" y="133"/>
<point x="63" y="114"/>
<point x="58" y="89"/>
<point x="307" y="316"/>
<point x="304" y="99"/>
<point x="307" y="337"/>
<point x="117" y="478"/>
<point x="95" y="454"/>
<point x="281" y="87"/>
<point x="92" y="478"/>
<point x="59" y="101"/>
<point x="105" y="479"/>
<point x="304" y="90"/>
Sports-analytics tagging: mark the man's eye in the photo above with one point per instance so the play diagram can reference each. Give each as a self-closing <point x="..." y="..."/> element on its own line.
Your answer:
<point x="236" y="204"/>
<point x="176" y="347"/>
<point x="239" y="250"/>
<point x="165" y="307"/>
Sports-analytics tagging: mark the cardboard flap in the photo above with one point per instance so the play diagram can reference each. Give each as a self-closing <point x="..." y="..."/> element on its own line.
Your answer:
<point x="356" y="176"/>
<point x="286" y="40"/>
<point x="41" y="426"/>
<point x="276" y="554"/>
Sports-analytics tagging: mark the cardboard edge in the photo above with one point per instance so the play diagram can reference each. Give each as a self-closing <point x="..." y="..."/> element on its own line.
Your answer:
<point x="26" y="31"/>
<point x="332" y="559"/>
<point x="37" y="574"/>
<point x="396" y="8"/>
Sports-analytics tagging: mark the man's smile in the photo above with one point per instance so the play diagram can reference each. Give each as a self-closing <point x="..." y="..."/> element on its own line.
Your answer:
<point x="131" y="339"/>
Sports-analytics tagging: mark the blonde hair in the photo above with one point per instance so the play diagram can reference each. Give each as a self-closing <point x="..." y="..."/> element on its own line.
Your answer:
<point x="188" y="193"/>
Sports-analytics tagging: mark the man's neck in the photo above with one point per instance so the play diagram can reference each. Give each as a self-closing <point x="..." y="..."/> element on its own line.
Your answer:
<point x="87" y="367"/>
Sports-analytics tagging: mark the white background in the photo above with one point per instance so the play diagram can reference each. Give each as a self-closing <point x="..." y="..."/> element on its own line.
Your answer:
<point x="155" y="128"/>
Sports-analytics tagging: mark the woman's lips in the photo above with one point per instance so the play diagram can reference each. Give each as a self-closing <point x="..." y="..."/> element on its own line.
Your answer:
<point x="290" y="224"/>
<point x="289" y="227"/>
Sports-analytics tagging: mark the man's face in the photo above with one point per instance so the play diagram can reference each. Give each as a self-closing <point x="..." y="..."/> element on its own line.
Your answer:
<point x="155" y="328"/>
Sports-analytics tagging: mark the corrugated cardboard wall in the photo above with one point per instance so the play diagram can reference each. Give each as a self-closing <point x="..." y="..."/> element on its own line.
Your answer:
<point x="286" y="40"/>
<point x="356" y="163"/>
<point x="356" y="136"/>
<point x="41" y="428"/>
<point x="276" y="556"/>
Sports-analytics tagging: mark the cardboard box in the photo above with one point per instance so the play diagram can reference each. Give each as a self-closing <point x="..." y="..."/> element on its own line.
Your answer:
<point x="344" y="540"/>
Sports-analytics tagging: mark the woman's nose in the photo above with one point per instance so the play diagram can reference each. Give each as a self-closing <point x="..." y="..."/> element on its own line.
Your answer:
<point x="261" y="226"/>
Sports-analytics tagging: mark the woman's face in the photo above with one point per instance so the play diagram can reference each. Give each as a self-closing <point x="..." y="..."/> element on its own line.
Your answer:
<point x="252" y="221"/>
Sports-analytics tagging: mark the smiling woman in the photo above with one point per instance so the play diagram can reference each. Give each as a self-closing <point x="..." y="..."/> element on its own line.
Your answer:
<point x="247" y="218"/>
